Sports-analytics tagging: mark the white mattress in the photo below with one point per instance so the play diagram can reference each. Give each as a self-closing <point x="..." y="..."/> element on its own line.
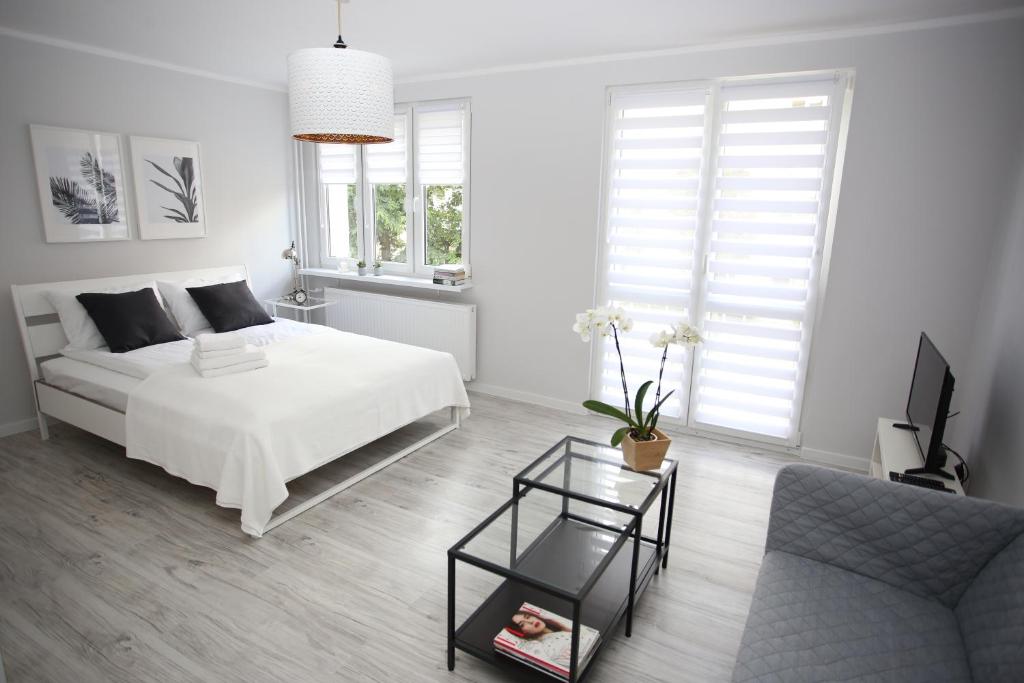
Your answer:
<point x="141" y="363"/>
<point x="108" y="378"/>
<point x="106" y="387"/>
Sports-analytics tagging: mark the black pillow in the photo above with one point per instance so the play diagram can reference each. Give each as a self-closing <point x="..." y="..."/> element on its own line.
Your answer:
<point x="129" y="320"/>
<point x="229" y="306"/>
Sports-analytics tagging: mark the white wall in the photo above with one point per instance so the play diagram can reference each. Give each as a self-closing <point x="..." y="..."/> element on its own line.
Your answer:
<point x="992" y="435"/>
<point x="246" y="162"/>
<point x="927" y="164"/>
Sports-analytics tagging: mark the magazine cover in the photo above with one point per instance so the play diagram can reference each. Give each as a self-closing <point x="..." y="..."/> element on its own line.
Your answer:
<point x="543" y="640"/>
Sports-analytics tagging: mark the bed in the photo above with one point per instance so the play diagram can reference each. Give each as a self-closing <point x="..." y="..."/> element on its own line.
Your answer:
<point x="324" y="393"/>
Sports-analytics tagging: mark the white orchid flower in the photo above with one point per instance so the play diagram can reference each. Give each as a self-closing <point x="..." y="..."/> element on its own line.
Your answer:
<point x="661" y="339"/>
<point x="600" y="321"/>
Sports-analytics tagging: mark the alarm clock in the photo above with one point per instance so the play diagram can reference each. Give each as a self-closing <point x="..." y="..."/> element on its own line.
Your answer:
<point x="299" y="296"/>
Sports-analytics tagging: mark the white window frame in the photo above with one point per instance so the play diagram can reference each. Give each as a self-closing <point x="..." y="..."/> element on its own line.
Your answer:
<point x="369" y="209"/>
<point x="839" y="122"/>
<point x="415" y="209"/>
<point x="419" y="208"/>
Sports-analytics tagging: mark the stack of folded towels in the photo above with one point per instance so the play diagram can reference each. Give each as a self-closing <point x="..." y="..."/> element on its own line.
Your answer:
<point x="214" y="355"/>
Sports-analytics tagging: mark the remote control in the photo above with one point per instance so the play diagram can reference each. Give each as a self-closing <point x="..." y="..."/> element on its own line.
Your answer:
<point x="923" y="482"/>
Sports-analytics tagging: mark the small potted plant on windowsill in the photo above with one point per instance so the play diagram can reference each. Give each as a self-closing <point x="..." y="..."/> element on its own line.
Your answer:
<point x="377" y="268"/>
<point x="361" y="267"/>
<point x="643" y="445"/>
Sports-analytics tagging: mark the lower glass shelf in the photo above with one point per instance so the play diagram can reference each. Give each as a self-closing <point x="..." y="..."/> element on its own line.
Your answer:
<point x="601" y="609"/>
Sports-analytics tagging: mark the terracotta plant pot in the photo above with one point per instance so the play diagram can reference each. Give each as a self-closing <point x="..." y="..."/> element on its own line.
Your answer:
<point x="645" y="455"/>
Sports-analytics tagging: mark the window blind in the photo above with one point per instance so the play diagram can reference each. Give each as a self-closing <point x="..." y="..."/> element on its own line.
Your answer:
<point x="338" y="164"/>
<point x="766" y="217"/>
<point x="653" y="190"/>
<point x="440" y="145"/>
<point x="717" y="200"/>
<point x="388" y="163"/>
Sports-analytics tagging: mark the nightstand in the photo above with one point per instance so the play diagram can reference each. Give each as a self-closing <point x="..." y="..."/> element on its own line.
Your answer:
<point x="311" y="304"/>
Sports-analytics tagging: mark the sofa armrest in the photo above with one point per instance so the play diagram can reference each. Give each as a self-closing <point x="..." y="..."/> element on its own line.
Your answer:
<point x="926" y="542"/>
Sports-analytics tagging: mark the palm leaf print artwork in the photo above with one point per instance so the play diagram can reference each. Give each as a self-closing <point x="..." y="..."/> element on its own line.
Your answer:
<point x="186" y="193"/>
<point x="80" y="206"/>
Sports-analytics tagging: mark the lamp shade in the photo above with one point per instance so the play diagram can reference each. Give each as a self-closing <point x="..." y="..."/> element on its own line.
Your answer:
<point x="341" y="95"/>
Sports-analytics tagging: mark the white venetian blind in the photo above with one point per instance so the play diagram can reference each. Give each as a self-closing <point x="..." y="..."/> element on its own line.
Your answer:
<point x="440" y="137"/>
<point x="338" y="164"/>
<point x="653" y="190"/>
<point x="388" y="163"/>
<point x="767" y="216"/>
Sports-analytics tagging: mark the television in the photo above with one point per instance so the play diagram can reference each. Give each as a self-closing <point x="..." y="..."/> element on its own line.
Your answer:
<point x="931" y="391"/>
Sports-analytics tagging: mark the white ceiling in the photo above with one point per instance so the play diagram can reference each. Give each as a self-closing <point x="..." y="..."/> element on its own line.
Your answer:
<point x="250" y="39"/>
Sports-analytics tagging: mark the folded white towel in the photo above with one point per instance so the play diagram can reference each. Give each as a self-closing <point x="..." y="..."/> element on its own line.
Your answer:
<point x="232" y="369"/>
<point x="220" y="353"/>
<point x="243" y="355"/>
<point x="219" y="342"/>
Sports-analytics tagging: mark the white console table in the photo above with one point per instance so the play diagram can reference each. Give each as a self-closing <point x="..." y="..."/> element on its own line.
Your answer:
<point x="896" y="451"/>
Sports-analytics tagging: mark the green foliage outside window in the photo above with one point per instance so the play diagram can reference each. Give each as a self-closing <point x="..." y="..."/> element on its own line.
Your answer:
<point x="390" y="219"/>
<point x="353" y="226"/>
<point x="444" y="224"/>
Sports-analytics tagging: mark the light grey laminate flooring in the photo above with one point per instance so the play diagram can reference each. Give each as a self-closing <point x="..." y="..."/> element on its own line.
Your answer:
<point x="113" y="570"/>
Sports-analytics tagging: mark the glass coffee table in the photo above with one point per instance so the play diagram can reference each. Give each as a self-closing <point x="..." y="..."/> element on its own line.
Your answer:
<point x="570" y="541"/>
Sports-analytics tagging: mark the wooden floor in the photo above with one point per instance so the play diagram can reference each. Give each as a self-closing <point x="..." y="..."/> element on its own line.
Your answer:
<point x="112" y="570"/>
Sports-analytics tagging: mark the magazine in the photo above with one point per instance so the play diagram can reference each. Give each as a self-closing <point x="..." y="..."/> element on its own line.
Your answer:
<point x="543" y="640"/>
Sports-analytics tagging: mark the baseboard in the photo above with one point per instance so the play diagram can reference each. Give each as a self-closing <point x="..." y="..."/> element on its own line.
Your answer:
<point x="19" y="426"/>
<point x="850" y="462"/>
<point x="525" y="397"/>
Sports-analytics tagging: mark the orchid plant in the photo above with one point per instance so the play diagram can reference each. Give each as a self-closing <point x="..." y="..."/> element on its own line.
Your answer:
<point x="611" y="322"/>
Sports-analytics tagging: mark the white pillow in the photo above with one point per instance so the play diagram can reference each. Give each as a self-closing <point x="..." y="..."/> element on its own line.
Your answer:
<point x="183" y="307"/>
<point x="78" y="327"/>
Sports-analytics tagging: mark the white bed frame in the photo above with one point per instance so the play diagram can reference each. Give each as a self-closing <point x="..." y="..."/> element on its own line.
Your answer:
<point x="43" y="338"/>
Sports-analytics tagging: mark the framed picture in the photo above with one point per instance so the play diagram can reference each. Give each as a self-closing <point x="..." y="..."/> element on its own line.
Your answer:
<point x="81" y="184"/>
<point x="168" y="188"/>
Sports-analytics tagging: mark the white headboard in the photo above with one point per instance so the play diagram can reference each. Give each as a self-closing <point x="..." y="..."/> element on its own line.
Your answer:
<point x="42" y="338"/>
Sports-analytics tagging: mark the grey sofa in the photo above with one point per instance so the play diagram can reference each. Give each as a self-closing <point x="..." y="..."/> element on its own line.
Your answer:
<point x="869" y="580"/>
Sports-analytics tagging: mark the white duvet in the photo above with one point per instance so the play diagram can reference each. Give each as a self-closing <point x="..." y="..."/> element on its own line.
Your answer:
<point x="323" y="394"/>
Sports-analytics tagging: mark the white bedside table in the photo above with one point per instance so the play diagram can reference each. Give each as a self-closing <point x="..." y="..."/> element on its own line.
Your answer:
<point x="312" y="304"/>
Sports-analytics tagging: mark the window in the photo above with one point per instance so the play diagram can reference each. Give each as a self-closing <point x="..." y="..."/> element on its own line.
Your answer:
<point x="405" y="203"/>
<point x="717" y="205"/>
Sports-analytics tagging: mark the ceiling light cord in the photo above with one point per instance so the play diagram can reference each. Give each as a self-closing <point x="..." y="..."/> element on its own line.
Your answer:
<point x="339" y="43"/>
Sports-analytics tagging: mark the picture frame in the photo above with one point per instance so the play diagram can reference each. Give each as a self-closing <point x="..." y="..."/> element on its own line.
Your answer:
<point x="169" y="194"/>
<point x="82" y="192"/>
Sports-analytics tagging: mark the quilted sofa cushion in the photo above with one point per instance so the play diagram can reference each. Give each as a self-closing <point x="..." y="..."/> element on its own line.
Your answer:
<point x="925" y="542"/>
<point x="991" y="615"/>
<point x="812" y="621"/>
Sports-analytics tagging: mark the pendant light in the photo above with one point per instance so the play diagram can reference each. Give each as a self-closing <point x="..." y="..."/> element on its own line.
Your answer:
<point x="340" y="95"/>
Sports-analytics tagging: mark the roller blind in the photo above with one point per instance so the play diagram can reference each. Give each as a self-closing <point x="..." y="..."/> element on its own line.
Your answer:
<point x="338" y="164"/>
<point x="767" y="214"/>
<point x="653" y="194"/>
<point x="389" y="163"/>
<point x="717" y="203"/>
<point x="440" y="145"/>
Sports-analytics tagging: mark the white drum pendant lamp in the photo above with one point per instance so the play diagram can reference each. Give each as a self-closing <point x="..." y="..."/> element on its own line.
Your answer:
<point x="340" y="95"/>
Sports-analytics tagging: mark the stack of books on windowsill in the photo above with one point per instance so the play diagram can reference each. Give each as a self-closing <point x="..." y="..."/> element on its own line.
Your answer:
<point x="542" y="640"/>
<point x="449" y="275"/>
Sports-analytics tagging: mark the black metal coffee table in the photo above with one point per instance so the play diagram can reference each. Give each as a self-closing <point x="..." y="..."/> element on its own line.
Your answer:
<point x="558" y="544"/>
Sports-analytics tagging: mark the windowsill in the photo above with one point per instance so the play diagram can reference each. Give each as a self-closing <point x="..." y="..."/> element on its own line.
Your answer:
<point x="389" y="280"/>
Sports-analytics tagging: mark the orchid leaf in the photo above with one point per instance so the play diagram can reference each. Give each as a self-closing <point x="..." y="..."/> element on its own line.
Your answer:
<point x="619" y="435"/>
<point x="656" y="411"/>
<point x="639" y="405"/>
<point x="611" y="411"/>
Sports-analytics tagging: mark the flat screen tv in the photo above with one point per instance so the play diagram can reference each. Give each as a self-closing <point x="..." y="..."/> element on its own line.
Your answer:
<point x="931" y="391"/>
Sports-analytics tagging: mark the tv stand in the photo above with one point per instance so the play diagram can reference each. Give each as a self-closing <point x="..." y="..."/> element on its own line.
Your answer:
<point x="896" y="451"/>
<point x="924" y="470"/>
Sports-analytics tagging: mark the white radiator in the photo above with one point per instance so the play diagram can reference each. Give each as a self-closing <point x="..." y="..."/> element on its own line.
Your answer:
<point x="431" y="324"/>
